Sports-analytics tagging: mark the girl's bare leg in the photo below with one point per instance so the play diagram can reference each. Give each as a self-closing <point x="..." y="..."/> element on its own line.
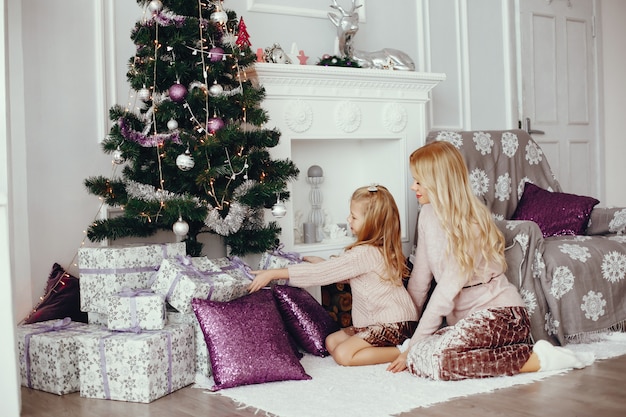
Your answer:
<point x="354" y="351"/>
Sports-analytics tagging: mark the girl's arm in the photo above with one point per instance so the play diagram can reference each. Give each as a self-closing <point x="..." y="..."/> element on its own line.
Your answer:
<point x="265" y="276"/>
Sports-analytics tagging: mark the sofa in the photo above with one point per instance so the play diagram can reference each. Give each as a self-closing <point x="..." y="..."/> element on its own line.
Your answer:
<point x="565" y="252"/>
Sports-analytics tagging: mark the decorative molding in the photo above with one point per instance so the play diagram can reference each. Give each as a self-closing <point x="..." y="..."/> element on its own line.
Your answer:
<point x="347" y="116"/>
<point x="298" y="116"/>
<point x="267" y="6"/>
<point x="394" y="117"/>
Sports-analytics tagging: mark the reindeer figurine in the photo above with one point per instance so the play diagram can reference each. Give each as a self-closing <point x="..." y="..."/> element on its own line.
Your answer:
<point x="347" y="25"/>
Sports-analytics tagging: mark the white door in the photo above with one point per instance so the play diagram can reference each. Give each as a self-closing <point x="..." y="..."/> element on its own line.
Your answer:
<point x="558" y="88"/>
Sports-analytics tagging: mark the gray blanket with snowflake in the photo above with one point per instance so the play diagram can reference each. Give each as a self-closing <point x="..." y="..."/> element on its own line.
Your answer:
<point x="573" y="286"/>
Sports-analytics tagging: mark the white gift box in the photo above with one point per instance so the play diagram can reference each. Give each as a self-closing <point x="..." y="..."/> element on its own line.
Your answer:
<point x="235" y="267"/>
<point x="47" y="355"/>
<point x="107" y="270"/>
<point x="203" y="363"/>
<point x="136" y="367"/>
<point x="182" y="279"/>
<point x="278" y="258"/>
<point x="99" y="319"/>
<point x="135" y="310"/>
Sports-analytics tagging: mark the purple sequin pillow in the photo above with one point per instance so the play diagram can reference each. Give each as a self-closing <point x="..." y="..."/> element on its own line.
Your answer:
<point x="307" y="321"/>
<point x="555" y="213"/>
<point x="247" y="341"/>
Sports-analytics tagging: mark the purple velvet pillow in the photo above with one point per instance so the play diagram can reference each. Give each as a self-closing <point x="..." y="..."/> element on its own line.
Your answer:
<point x="555" y="213"/>
<point x="307" y="321"/>
<point x="61" y="299"/>
<point x="247" y="341"/>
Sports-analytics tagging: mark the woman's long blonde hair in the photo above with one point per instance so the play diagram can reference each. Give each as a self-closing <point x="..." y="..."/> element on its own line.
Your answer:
<point x="440" y="169"/>
<point x="381" y="228"/>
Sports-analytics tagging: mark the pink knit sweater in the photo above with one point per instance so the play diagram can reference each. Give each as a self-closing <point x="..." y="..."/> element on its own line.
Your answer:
<point x="373" y="300"/>
<point x="450" y="299"/>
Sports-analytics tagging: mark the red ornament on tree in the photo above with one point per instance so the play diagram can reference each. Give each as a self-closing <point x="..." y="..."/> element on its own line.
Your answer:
<point x="243" y="39"/>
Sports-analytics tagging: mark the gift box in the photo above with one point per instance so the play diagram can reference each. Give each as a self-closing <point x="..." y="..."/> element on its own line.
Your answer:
<point x="136" y="310"/>
<point x="107" y="270"/>
<point x="235" y="267"/>
<point x="99" y="319"/>
<point x="203" y="363"/>
<point x="47" y="355"/>
<point x="136" y="367"/>
<point x="278" y="258"/>
<point x="182" y="279"/>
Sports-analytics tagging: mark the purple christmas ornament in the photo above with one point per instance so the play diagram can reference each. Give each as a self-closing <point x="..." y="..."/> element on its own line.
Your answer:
<point x="177" y="92"/>
<point x="215" y="124"/>
<point x="216" y="54"/>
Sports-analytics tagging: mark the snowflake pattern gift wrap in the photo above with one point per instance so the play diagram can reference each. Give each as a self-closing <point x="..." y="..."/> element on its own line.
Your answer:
<point x="278" y="258"/>
<point x="136" y="367"/>
<point x="105" y="271"/>
<point x="47" y="355"/>
<point x="235" y="267"/>
<point x="136" y="310"/>
<point x="184" y="278"/>
<point x="203" y="363"/>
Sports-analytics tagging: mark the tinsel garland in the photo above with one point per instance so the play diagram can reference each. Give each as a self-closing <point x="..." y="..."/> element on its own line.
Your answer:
<point x="145" y="140"/>
<point x="167" y="18"/>
<point x="224" y="226"/>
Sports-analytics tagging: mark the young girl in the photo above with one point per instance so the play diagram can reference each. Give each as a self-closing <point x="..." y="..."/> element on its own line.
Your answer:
<point x="488" y="328"/>
<point x="383" y="313"/>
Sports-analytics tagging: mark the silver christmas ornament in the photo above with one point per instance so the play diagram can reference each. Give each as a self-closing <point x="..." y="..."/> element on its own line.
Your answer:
<point x="155" y="6"/>
<point x="172" y="124"/>
<point x="219" y="16"/>
<point x="216" y="89"/>
<point x="181" y="227"/>
<point x="185" y="161"/>
<point x="143" y="94"/>
<point x="118" y="156"/>
<point x="279" y="210"/>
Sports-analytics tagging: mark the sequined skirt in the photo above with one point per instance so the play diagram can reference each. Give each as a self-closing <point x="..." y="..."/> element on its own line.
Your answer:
<point x="487" y="343"/>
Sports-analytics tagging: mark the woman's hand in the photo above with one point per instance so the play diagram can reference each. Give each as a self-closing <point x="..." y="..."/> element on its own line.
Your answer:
<point x="399" y="364"/>
<point x="264" y="276"/>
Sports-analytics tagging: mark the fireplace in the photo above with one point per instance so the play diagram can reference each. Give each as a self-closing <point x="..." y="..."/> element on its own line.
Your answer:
<point x="358" y="125"/>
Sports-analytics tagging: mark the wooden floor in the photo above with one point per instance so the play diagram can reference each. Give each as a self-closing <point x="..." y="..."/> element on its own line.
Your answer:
<point x="597" y="391"/>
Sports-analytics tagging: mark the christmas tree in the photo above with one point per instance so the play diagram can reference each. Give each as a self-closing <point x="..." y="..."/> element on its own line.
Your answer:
<point x="193" y="148"/>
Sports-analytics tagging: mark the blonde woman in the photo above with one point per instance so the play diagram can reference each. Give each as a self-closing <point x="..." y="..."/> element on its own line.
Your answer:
<point x="475" y="324"/>
<point x="383" y="313"/>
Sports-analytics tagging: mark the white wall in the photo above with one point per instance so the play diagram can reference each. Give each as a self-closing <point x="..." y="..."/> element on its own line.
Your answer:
<point x="613" y="14"/>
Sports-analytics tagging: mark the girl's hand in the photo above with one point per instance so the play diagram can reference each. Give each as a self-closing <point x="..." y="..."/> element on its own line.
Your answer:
<point x="265" y="276"/>
<point x="262" y="279"/>
<point x="313" y="259"/>
<point x="399" y="364"/>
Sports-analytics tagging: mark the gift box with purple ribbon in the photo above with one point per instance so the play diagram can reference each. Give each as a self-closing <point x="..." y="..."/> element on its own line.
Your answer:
<point x="47" y="355"/>
<point x="203" y="363"/>
<point x="136" y="367"/>
<point x="235" y="267"/>
<point x="136" y="310"/>
<point x="279" y="258"/>
<point x="107" y="270"/>
<point x="184" y="278"/>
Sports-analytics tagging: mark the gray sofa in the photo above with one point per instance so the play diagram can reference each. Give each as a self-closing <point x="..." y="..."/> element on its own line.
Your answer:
<point x="573" y="281"/>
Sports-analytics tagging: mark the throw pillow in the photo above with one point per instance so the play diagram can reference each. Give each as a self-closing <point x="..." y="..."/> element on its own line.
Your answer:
<point x="307" y="321"/>
<point x="61" y="299"/>
<point x="247" y="341"/>
<point x="555" y="213"/>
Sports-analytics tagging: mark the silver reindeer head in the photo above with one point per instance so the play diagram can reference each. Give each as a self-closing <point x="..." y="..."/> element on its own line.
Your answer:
<point x="347" y="25"/>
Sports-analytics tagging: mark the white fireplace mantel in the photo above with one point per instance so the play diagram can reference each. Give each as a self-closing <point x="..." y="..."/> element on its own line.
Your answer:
<point x="359" y="125"/>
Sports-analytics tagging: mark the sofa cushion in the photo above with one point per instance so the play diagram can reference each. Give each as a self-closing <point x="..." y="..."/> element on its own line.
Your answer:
<point x="247" y="341"/>
<point x="556" y="213"/>
<point x="307" y="321"/>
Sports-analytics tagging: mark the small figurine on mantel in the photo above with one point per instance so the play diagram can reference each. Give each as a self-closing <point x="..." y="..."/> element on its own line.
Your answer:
<point x="347" y="26"/>
<point x="277" y="55"/>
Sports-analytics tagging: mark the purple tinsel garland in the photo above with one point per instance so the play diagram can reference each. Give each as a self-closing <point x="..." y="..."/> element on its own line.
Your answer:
<point x="146" y="141"/>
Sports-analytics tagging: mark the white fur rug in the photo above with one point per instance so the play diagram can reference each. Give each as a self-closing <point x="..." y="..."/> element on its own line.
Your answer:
<point x="371" y="390"/>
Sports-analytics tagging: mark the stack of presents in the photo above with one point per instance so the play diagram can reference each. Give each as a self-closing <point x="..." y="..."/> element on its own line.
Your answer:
<point x="142" y="340"/>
